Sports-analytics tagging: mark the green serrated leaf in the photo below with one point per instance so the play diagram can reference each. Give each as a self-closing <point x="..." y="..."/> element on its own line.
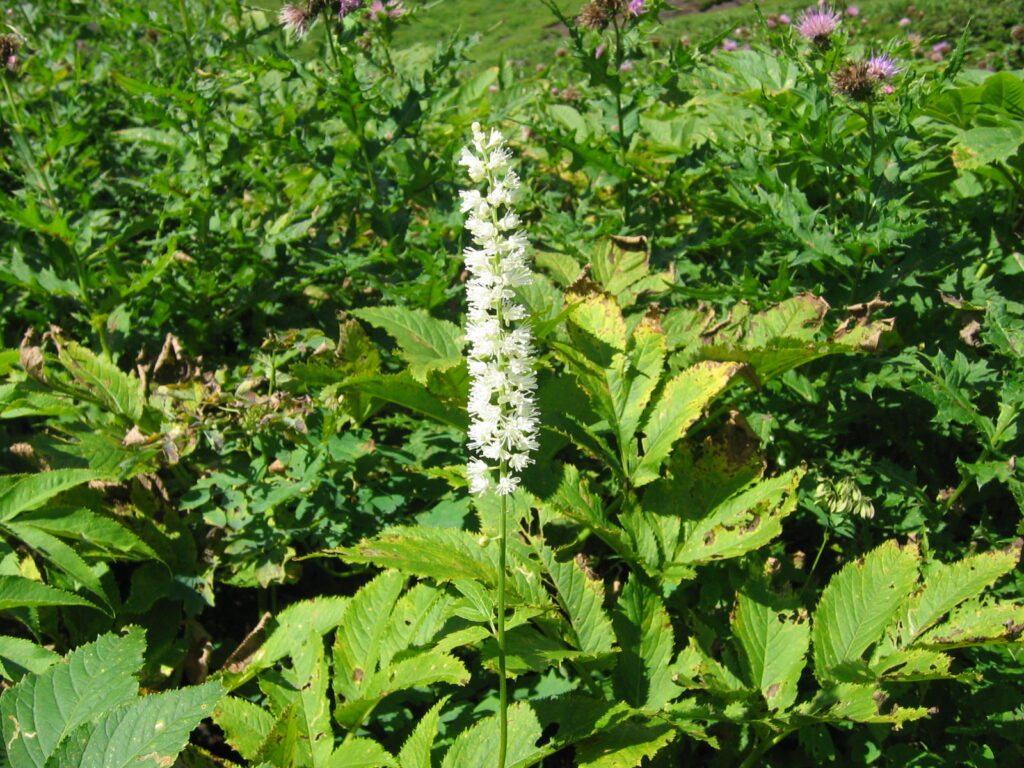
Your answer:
<point x="112" y="387"/>
<point x="975" y="623"/>
<point x="357" y="644"/>
<point x="644" y="631"/>
<point x="34" y="726"/>
<point x="774" y="639"/>
<point x="625" y="746"/>
<point x="946" y="586"/>
<point x="61" y="555"/>
<point x="426" y="343"/>
<point x="415" y="753"/>
<point x="16" y="591"/>
<point x="858" y="603"/>
<point x="20" y="493"/>
<point x="401" y="389"/>
<point x="443" y="554"/>
<point x="743" y="522"/>
<point x="423" y="668"/>
<point x="319" y="615"/>
<point x="246" y="725"/>
<point x="867" y="704"/>
<point x="361" y="753"/>
<point x="19" y="656"/>
<point x="150" y="731"/>
<point x="675" y="410"/>
<point x="477" y="745"/>
<point x="92" y="533"/>
<point x="582" y="600"/>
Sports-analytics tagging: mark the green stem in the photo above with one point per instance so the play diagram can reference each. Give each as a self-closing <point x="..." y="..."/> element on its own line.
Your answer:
<point x="817" y="557"/>
<point x="502" y="680"/>
<point x="14" y="105"/>
<point x="763" y="746"/>
<point x="204" y="143"/>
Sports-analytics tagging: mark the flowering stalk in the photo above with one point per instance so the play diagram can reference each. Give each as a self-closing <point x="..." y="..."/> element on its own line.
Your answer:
<point x="503" y="427"/>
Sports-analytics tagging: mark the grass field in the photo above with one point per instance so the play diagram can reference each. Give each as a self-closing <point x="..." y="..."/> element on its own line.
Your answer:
<point x="528" y="30"/>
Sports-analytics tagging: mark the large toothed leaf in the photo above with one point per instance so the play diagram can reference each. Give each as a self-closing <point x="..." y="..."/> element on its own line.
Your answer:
<point x="774" y="641"/>
<point x="425" y="342"/>
<point x="643" y="676"/>
<point x="976" y="623"/>
<point x="16" y="592"/>
<point x="415" y="620"/>
<point x="577" y="500"/>
<point x="946" y="586"/>
<point x="632" y="386"/>
<point x="246" y="725"/>
<point x="92" y="533"/>
<point x="680" y="403"/>
<point x="415" y="753"/>
<point x="41" y="710"/>
<point x="625" y="746"/>
<point x="403" y="390"/>
<point x="319" y="615"/>
<point x="867" y="704"/>
<point x="599" y="318"/>
<point x="858" y="604"/>
<point x="357" y="644"/>
<point x="477" y="745"/>
<point x="111" y="386"/>
<point x="361" y="753"/>
<point x="420" y="669"/>
<point x="20" y="493"/>
<point x="581" y="598"/>
<point x="444" y="554"/>
<point x="913" y="664"/>
<point x="743" y="522"/>
<point x="18" y="656"/>
<point x="309" y="676"/>
<point x="148" y="733"/>
<point x="60" y="555"/>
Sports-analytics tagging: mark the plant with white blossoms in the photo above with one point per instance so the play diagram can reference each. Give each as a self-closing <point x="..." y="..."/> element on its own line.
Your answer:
<point x="503" y="428"/>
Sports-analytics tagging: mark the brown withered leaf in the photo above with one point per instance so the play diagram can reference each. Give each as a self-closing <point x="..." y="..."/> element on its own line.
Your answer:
<point x="32" y="359"/>
<point x="241" y="657"/>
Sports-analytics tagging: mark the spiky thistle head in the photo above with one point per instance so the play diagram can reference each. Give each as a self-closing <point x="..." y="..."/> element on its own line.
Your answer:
<point x="855" y="80"/>
<point x="9" y="45"/>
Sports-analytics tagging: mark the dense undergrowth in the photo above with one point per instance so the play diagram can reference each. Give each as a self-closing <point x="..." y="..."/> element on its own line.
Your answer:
<point x="774" y="515"/>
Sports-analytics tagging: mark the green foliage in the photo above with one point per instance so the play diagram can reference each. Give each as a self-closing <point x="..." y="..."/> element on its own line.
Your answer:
<point x="774" y="515"/>
<point x="100" y="718"/>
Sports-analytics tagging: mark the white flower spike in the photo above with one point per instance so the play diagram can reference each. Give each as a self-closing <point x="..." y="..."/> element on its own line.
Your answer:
<point x="503" y="414"/>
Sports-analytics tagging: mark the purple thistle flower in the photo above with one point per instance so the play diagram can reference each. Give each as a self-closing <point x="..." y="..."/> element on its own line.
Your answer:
<point x="296" y="19"/>
<point x="345" y="7"/>
<point x="883" y="68"/>
<point x="818" y="23"/>
<point x="393" y="9"/>
<point x="637" y="7"/>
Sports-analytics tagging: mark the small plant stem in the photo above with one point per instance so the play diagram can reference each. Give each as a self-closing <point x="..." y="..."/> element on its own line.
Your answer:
<point x="817" y="557"/>
<point x="763" y="745"/>
<point x="204" y="143"/>
<point x="14" y="105"/>
<point x="502" y="680"/>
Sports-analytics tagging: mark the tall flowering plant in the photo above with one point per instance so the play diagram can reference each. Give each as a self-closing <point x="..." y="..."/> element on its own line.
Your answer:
<point x="503" y="428"/>
<point x="503" y="413"/>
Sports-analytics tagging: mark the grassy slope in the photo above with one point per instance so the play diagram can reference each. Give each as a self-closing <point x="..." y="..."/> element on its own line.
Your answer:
<point x="526" y="29"/>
